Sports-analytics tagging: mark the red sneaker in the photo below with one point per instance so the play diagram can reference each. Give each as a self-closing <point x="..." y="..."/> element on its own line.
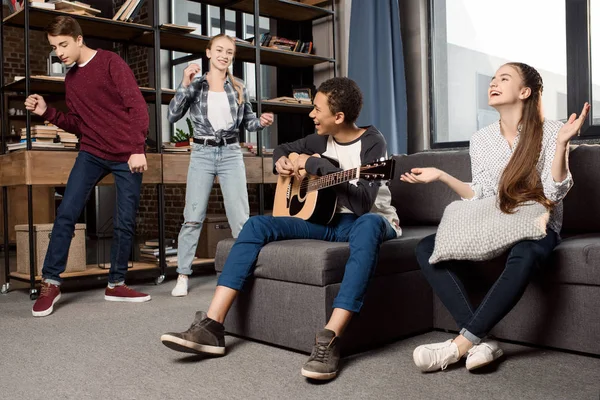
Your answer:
<point x="125" y="293"/>
<point x="44" y="305"/>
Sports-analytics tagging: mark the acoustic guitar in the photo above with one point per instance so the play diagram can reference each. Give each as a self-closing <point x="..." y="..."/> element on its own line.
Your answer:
<point x="313" y="198"/>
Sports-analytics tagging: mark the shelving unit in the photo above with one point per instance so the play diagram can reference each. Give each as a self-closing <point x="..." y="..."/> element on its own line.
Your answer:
<point x="51" y="168"/>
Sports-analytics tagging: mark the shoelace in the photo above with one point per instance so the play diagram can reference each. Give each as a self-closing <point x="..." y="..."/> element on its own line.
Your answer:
<point x="446" y="359"/>
<point x="45" y="290"/>
<point x="320" y="353"/>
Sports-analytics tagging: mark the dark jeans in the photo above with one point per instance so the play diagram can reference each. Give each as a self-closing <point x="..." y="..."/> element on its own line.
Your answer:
<point x="86" y="173"/>
<point x="475" y="324"/>
<point x="364" y="234"/>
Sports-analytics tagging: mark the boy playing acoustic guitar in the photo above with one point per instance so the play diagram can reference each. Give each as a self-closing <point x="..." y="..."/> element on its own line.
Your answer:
<point x="364" y="217"/>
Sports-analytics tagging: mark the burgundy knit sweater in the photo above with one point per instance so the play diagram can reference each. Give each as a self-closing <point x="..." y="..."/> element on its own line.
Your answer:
<point x="106" y="108"/>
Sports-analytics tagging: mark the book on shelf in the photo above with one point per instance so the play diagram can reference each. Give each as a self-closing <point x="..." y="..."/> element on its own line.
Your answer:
<point x="154" y="242"/>
<point x="34" y="145"/>
<point x="289" y="100"/>
<point x="44" y="77"/>
<point x="42" y="5"/>
<point x="177" y="28"/>
<point x="128" y="11"/>
<point x="281" y="43"/>
<point x="76" y="7"/>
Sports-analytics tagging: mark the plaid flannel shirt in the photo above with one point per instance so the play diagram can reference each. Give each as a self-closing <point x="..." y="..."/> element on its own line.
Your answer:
<point x="195" y="98"/>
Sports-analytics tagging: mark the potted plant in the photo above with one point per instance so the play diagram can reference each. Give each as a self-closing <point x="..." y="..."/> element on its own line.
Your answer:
<point x="181" y="138"/>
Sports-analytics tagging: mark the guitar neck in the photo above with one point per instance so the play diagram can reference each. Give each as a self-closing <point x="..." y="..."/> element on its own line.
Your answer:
<point x="334" y="179"/>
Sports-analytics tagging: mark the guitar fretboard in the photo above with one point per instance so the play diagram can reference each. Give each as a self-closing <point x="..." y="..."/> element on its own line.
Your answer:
<point x="333" y="179"/>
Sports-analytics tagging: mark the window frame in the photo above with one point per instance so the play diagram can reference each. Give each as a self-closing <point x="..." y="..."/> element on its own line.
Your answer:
<point x="579" y="79"/>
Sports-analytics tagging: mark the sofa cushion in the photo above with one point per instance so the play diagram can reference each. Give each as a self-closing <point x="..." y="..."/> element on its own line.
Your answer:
<point x="581" y="206"/>
<point x="576" y="260"/>
<point x="424" y="204"/>
<point x="320" y="263"/>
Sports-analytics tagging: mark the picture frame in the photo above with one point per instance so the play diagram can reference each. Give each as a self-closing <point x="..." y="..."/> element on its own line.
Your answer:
<point x="302" y="94"/>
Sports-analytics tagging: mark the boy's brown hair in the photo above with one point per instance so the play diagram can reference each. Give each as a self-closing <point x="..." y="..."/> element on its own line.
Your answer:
<point x="64" y="26"/>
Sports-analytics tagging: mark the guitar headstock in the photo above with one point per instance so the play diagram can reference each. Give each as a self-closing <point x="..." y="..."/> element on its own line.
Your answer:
<point x="381" y="170"/>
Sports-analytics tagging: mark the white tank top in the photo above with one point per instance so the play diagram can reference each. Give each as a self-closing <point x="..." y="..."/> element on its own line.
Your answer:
<point x="219" y="113"/>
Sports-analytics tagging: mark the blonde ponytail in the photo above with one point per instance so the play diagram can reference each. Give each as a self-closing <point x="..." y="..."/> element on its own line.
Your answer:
<point x="237" y="86"/>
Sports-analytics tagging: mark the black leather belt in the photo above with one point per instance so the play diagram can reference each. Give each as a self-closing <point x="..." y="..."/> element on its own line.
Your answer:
<point x="214" y="143"/>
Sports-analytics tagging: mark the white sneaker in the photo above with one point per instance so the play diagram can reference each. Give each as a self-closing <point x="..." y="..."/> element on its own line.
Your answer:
<point x="181" y="288"/>
<point x="435" y="356"/>
<point x="483" y="354"/>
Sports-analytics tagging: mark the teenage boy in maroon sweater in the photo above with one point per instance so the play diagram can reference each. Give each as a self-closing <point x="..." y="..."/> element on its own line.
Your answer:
<point x="110" y="116"/>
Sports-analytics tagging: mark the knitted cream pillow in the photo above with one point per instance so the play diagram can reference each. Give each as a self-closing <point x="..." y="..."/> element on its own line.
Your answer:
<point x="477" y="230"/>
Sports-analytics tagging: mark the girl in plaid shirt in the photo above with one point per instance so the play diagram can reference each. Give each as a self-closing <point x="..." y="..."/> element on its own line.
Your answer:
<point x="218" y="104"/>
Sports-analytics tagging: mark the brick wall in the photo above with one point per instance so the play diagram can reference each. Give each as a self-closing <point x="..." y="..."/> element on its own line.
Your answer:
<point x="147" y="218"/>
<point x="138" y="57"/>
<point x="14" y="56"/>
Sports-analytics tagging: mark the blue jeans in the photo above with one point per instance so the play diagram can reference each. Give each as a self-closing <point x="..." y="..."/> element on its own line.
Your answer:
<point x="86" y="173"/>
<point x="364" y="234"/>
<point x="206" y="162"/>
<point x="475" y="324"/>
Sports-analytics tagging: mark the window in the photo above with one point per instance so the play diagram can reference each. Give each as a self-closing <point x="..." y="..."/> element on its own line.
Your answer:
<point x="471" y="39"/>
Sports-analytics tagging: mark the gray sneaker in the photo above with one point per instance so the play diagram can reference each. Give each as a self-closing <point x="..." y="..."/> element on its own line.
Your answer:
<point x="205" y="336"/>
<point x="323" y="362"/>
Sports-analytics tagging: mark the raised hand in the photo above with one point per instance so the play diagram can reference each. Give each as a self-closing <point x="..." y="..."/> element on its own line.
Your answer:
<point x="421" y="175"/>
<point x="266" y="119"/>
<point x="188" y="74"/>
<point x="36" y="104"/>
<point x="572" y="126"/>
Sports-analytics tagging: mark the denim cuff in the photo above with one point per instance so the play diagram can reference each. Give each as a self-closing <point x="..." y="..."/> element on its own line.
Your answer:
<point x="470" y="337"/>
<point x="52" y="281"/>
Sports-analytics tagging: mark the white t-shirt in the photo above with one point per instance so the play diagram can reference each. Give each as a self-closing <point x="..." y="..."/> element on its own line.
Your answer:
<point x="218" y="110"/>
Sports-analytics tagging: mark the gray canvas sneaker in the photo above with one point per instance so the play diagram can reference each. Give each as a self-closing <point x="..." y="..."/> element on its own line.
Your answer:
<point x="205" y="336"/>
<point x="325" y="357"/>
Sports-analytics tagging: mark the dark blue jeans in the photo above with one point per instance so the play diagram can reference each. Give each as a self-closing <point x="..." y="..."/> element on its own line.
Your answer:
<point x="86" y="173"/>
<point x="475" y="324"/>
<point x="364" y="234"/>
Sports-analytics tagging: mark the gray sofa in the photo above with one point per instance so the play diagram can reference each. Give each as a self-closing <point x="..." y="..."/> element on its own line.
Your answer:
<point x="295" y="282"/>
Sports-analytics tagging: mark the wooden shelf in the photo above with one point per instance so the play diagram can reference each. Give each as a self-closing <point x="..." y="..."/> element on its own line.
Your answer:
<point x="175" y="168"/>
<point x="55" y="86"/>
<point x="52" y="168"/>
<point x="280" y="9"/>
<point x="196" y="44"/>
<point x="280" y="108"/>
<point x="279" y="58"/>
<point x="93" y="27"/>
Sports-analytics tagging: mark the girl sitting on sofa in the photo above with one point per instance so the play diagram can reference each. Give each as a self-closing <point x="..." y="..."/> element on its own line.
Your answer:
<point x="520" y="158"/>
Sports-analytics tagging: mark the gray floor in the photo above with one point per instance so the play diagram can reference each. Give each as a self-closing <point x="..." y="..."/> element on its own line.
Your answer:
<point x="93" y="349"/>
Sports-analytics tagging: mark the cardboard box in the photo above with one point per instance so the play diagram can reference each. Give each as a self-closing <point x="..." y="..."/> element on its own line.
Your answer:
<point x="41" y="238"/>
<point x="215" y="228"/>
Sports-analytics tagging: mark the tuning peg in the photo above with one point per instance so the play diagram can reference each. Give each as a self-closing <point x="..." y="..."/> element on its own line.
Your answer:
<point x="370" y="183"/>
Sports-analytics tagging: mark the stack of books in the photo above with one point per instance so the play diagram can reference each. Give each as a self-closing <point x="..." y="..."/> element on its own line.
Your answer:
<point x="69" y="140"/>
<point x="290" y="100"/>
<point x="181" y="147"/>
<point x="149" y="252"/>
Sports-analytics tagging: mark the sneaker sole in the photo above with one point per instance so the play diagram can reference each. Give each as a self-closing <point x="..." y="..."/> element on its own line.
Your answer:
<point x="185" y="346"/>
<point x="48" y="311"/>
<point x="179" y="294"/>
<point x="321" y="376"/>
<point x="128" y="299"/>
<point x="497" y="355"/>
